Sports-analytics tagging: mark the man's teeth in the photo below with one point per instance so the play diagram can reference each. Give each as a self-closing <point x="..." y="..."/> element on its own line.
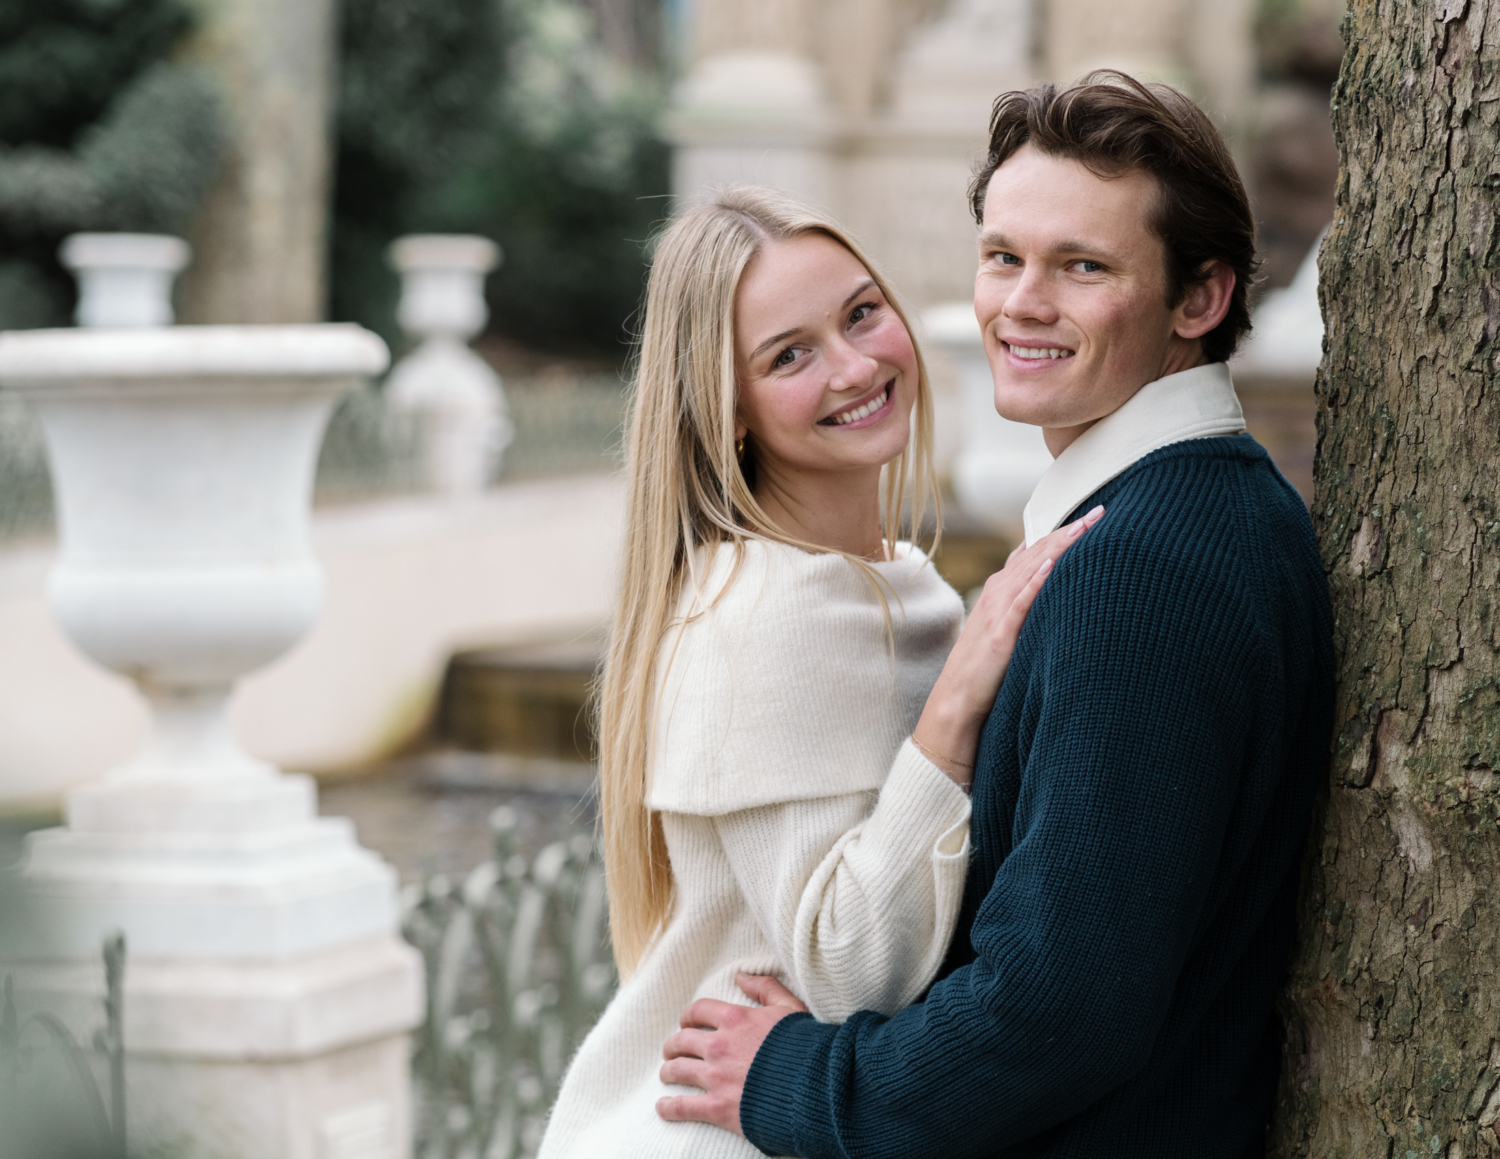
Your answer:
<point x="853" y="416"/>
<point x="1051" y="352"/>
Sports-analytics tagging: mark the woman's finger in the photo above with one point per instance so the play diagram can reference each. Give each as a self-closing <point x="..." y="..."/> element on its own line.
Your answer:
<point x="1067" y="535"/>
<point x="1015" y="615"/>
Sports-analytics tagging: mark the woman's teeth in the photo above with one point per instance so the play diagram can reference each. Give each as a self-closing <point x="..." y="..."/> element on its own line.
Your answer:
<point x="1039" y="352"/>
<point x="853" y="416"/>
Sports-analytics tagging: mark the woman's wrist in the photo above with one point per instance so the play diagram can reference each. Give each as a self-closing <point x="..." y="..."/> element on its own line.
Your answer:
<point x="949" y="744"/>
<point x="959" y="772"/>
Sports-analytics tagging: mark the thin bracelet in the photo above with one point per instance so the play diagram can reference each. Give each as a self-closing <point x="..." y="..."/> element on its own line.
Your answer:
<point x="937" y="758"/>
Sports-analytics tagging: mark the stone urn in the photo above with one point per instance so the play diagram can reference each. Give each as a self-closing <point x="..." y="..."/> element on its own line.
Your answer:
<point x="124" y="279"/>
<point x="999" y="461"/>
<point x="268" y="992"/>
<point x="447" y="397"/>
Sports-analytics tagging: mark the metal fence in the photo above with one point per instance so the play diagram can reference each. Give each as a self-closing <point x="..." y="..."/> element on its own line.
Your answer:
<point x="50" y="1104"/>
<point x="518" y="969"/>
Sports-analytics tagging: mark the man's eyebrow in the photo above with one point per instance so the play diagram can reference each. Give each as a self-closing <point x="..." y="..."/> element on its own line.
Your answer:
<point x="785" y="334"/>
<point x="1065" y="246"/>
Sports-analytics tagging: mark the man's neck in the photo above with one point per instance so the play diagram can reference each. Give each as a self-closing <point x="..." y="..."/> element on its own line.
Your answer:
<point x="1180" y="357"/>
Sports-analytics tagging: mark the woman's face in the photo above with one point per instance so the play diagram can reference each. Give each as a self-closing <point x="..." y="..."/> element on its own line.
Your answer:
<point x="827" y="372"/>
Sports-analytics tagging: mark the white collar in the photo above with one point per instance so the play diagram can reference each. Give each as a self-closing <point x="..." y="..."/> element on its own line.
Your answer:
<point x="1192" y="404"/>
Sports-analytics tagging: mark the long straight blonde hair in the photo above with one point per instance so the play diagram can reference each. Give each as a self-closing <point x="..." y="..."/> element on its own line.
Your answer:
<point x="688" y="489"/>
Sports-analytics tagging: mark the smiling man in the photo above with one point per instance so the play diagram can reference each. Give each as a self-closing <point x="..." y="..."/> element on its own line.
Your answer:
<point x="1145" y="777"/>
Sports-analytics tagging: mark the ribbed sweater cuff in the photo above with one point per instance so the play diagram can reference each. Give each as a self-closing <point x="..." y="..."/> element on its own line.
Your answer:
<point x="925" y="797"/>
<point x="790" y="1066"/>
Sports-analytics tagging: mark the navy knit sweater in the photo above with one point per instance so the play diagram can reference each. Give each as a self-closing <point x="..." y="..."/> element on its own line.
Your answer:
<point x="1142" y="788"/>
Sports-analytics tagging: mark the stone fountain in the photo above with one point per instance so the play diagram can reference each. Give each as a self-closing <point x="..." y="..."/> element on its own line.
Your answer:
<point x="269" y="996"/>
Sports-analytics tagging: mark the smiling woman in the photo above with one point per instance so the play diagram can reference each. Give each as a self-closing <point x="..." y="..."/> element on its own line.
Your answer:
<point x="789" y="711"/>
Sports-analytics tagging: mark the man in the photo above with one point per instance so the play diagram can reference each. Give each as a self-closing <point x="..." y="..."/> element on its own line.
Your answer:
<point x="1144" y="780"/>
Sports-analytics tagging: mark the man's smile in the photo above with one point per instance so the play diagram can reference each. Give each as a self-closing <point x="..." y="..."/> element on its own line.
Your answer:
<point x="1037" y="351"/>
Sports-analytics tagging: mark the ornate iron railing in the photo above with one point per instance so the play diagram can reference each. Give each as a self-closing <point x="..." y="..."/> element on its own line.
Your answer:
<point x="518" y="969"/>
<point x="50" y="1105"/>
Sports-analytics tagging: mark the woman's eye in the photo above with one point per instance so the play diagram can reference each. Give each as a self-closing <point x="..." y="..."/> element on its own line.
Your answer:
<point x="785" y="358"/>
<point x="860" y="313"/>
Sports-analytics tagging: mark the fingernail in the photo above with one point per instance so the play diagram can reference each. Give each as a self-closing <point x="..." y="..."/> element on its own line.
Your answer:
<point x="1045" y="568"/>
<point x="1094" y="514"/>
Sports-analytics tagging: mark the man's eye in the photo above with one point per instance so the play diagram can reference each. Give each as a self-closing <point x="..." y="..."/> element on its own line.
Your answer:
<point x="1006" y="259"/>
<point x="1090" y="267"/>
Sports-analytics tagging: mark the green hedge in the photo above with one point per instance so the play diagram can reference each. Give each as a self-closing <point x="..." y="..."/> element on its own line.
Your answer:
<point x="502" y="118"/>
<point x="99" y="130"/>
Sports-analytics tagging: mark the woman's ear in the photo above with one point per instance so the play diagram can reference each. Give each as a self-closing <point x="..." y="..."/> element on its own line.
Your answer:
<point x="1206" y="303"/>
<point x="740" y="429"/>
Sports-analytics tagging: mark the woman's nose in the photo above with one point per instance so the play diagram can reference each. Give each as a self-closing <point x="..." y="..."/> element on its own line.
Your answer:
<point x="849" y="369"/>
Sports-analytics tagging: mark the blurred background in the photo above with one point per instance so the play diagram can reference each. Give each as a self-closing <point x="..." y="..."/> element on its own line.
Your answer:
<point x="478" y="183"/>
<point x="292" y="142"/>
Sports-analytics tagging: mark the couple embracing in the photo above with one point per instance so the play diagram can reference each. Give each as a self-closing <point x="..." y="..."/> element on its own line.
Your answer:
<point x="886" y="880"/>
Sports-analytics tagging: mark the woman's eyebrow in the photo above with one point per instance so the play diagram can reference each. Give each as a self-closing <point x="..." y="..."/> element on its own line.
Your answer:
<point x="785" y="334"/>
<point x="769" y="342"/>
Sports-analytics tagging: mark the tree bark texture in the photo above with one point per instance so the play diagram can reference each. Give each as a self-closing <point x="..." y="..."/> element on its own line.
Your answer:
<point x="1393" y="1005"/>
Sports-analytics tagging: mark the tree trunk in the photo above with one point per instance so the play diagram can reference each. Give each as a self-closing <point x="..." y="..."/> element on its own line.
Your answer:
<point x="1393" y="1005"/>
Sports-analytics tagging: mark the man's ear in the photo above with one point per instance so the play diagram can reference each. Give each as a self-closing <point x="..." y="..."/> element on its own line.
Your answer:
<point x="1206" y="303"/>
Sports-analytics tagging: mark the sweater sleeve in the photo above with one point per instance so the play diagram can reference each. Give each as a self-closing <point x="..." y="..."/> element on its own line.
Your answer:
<point x="860" y="905"/>
<point x="1134" y="700"/>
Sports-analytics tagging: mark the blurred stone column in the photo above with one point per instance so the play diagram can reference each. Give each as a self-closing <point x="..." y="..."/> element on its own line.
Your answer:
<point x="260" y="240"/>
<point x="753" y="106"/>
<point x="1205" y="47"/>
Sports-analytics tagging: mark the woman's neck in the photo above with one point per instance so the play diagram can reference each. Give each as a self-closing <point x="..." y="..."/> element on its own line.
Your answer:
<point x="837" y="510"/>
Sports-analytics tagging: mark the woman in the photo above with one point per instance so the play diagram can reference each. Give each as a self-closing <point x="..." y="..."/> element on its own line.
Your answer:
<point x="789" y="710"/>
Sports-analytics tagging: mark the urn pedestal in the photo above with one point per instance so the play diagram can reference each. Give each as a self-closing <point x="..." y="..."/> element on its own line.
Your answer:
<point x="124" y="279"/>
<point x="268" y="993"/>
<point x="449" y="396"/>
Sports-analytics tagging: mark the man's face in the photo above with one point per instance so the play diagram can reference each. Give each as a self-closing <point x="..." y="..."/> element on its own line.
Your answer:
<point x="1071" y="294"/>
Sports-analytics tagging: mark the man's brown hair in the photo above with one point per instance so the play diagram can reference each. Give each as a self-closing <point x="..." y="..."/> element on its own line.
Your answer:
<point x="1115" y="124"/>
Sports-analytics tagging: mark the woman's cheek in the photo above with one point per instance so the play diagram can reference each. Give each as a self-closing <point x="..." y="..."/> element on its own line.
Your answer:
<point x="890" y="343"/>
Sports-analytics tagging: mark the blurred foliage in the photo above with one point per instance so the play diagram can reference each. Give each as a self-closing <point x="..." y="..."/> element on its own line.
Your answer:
<point x="99" y="130"/>
<point x="504" y="118"/>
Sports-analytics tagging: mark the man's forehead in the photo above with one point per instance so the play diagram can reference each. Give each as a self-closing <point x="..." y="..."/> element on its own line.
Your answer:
<point x="1035" y="194"/>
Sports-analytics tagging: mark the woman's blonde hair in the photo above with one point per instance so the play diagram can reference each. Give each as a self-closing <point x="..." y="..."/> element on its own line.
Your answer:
<point x="687" y="489"/>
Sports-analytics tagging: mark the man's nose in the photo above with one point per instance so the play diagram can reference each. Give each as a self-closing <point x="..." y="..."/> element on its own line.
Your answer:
<point x="1030" y="298"/>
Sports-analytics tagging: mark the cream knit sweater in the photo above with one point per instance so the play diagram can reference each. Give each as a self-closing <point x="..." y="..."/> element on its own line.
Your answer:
<point x="808" y="838"/>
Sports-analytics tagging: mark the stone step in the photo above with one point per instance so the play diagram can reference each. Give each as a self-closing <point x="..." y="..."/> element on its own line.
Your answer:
<point x="526" y="700"/>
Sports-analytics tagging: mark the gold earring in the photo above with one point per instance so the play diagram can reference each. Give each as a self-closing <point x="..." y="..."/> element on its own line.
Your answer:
<point x="739" y="449"/>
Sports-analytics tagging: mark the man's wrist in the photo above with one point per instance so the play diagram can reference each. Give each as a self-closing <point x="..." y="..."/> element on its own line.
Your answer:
<point x="793" y="1052"/>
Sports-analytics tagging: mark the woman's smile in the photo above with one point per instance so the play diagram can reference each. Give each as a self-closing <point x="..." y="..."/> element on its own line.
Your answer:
<point x="868" y="411"/>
